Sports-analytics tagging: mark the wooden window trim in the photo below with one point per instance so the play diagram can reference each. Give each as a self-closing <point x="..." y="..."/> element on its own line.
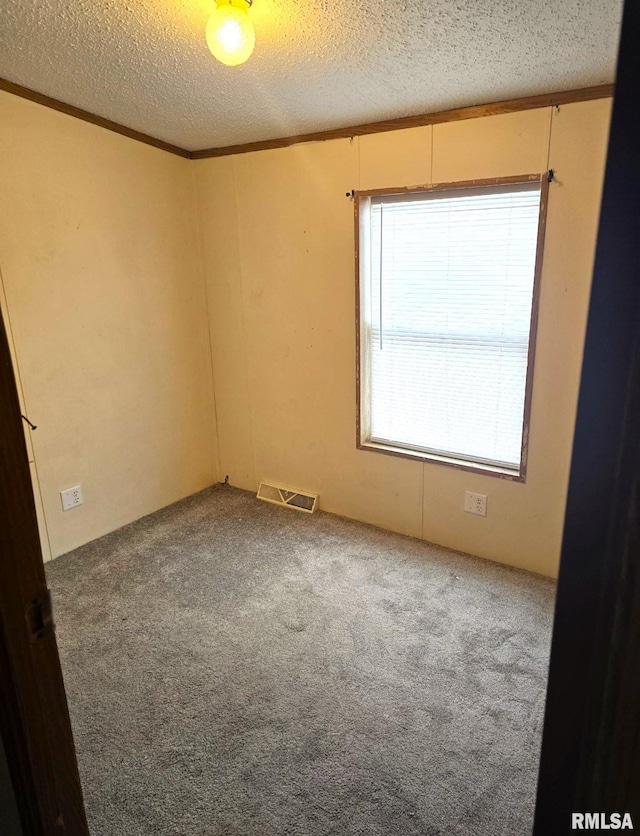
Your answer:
<point x="432" y="458"/>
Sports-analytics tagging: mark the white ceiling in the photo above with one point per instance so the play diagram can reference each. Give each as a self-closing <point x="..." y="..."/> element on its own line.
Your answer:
<point x="318" y="64"/>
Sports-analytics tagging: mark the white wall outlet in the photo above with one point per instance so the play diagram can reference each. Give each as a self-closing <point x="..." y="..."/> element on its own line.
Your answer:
<point x="71" y="498"/>
<point x="475" y="503"/>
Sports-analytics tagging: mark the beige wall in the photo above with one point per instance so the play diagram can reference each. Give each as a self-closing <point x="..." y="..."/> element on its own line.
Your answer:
<point x="116" y="331"/>
<point x="278" y="245"/>
<point x="101" y="267"/>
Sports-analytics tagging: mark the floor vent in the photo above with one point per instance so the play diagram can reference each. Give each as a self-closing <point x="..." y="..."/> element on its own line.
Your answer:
<point x="300" y="500"/>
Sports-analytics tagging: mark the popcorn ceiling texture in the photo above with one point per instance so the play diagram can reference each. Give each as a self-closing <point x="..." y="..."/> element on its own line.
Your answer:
<point x="318" y="64"/>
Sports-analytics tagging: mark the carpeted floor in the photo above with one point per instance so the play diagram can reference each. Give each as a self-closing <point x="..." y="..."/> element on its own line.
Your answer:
<point x="238" y="669"/>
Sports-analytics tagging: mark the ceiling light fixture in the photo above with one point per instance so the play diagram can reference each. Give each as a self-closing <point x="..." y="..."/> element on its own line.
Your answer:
<point x="230" y="34"/>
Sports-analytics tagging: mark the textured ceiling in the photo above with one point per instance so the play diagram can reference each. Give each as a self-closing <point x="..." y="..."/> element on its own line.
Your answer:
<point x="318" y="64"/>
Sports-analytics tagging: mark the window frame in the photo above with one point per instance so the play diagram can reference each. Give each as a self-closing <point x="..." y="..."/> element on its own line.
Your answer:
<point x="362" y="421"/>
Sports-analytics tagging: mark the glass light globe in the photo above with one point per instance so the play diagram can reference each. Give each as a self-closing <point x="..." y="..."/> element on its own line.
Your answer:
<point x="230" y="34"/>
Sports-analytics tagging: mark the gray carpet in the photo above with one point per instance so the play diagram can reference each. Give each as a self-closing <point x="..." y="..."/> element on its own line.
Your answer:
<point x="238" y="669"/>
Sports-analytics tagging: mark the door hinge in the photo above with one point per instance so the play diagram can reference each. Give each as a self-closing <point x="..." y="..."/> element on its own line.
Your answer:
<point x="40" y="617"/>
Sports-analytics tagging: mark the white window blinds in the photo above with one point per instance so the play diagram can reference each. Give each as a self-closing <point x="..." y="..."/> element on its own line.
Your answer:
<point x="446" y="293"/>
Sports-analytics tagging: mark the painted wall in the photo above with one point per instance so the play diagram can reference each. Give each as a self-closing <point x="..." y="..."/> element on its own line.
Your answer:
<point x="104" y="293"/>
<point x="278" y="241"/>
<point x="115" y="330"/>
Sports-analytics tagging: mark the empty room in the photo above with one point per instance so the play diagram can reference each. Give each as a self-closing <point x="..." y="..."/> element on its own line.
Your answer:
<point x="296" y="297"/>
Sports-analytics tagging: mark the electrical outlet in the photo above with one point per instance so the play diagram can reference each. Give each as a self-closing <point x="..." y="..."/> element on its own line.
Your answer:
<point x="475" y="503"/>
<point x="71" y="498"/>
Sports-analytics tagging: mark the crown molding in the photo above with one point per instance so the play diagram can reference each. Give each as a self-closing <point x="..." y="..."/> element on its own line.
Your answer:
<point x="584" y="94"/>
<point x="70" y="110"/>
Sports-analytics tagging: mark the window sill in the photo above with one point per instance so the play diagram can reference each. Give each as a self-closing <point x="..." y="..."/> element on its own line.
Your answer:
<point x="511" y="475"/>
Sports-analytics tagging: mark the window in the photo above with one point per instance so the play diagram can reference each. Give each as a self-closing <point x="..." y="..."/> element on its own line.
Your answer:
<point x="447" y="281"/>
